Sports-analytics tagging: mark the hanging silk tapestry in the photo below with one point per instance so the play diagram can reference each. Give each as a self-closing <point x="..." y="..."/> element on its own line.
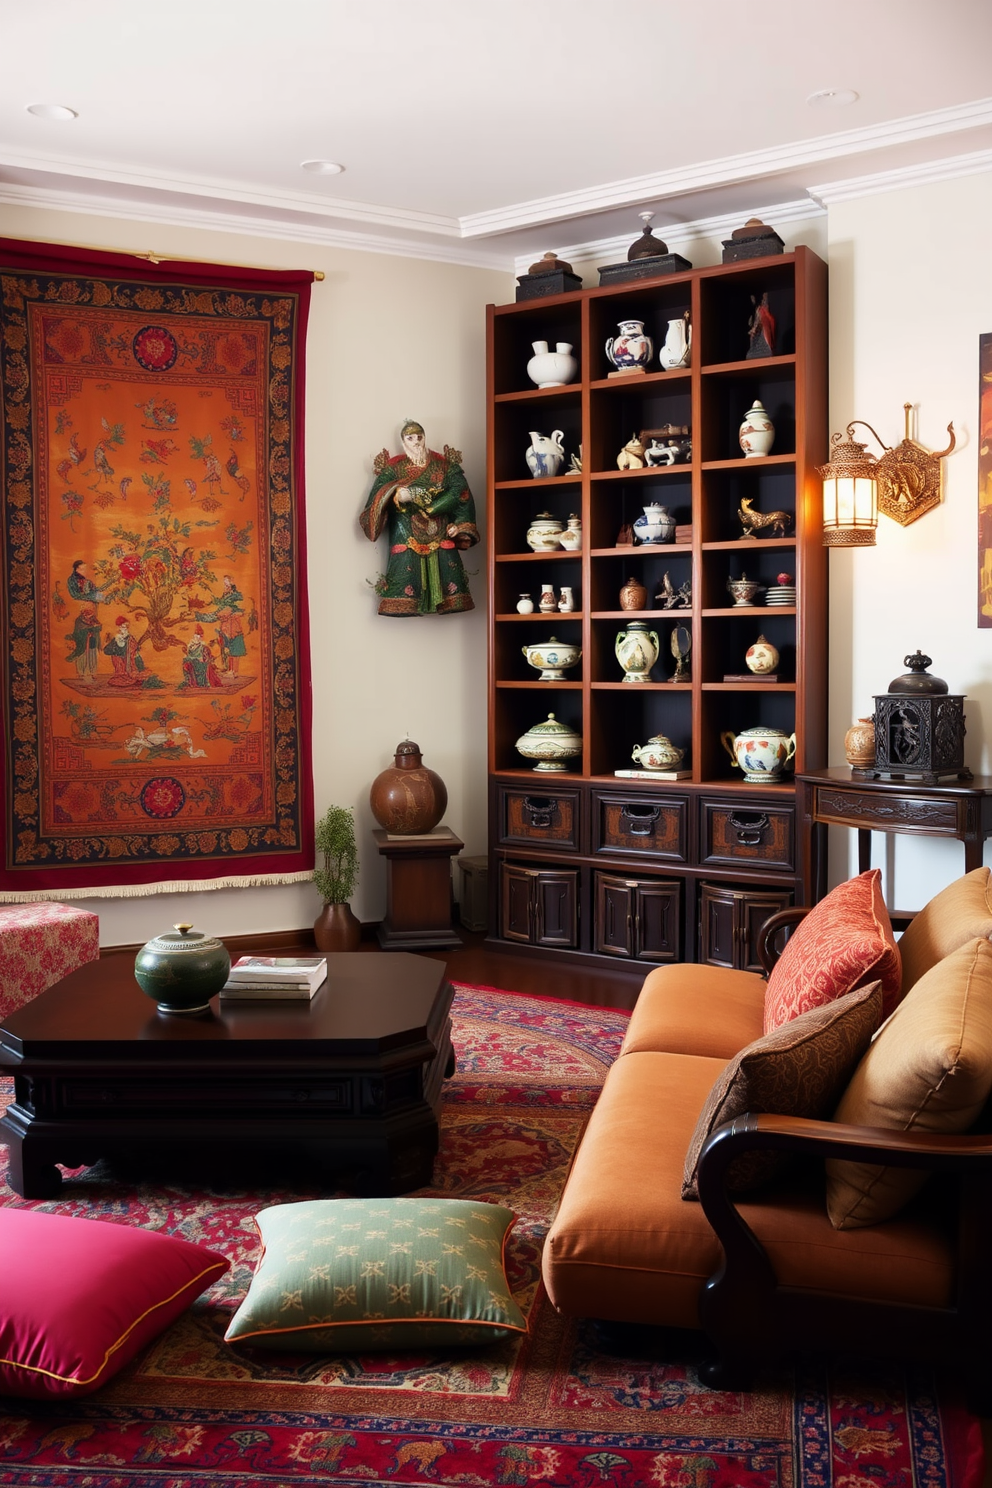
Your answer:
<point x="156" y="687"/>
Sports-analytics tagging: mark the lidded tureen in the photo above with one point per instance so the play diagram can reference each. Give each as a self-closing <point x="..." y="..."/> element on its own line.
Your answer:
<point x="551" y="743"/>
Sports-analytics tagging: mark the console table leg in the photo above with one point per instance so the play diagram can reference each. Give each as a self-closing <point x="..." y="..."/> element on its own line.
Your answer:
<point x="864" y="850"/>
<point x="29" y="1176"/>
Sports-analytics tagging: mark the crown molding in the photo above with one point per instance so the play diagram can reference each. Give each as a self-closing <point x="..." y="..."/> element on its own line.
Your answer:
<point x="829" y="192"/>
<point x="171" y="215"/>
<point x="680" y="234"/>
<point x="299" y="202"/>
<point x="751" y="165"/>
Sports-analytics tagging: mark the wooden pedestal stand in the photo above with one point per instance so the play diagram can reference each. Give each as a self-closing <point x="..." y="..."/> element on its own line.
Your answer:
<point x="418" y="889"/>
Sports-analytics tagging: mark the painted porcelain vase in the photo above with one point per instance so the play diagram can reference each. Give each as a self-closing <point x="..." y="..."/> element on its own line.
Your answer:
<point x="571" y="537"/>
<point x="182" y="971"/>
<point x="659" y="753"/>
<point x="757" y="432"/>
<point x="656" y="525"/>
<point x="762" y="657"/>
<point x="551" y="657"/>
<point x="676" y="348"/>
<point x="762" y="753"/>
<point x="545" y="454"/>
<point x="630" y="350"/>
<point x="552" y="368"/>
<point x="525" y="605"/>
<point x="551" y="743"/>
<point x="637" y="649"/>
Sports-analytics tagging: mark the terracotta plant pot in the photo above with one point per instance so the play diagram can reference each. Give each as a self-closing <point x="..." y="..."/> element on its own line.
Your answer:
<point x="337" y="928"/>
<point x="408" y="799"/>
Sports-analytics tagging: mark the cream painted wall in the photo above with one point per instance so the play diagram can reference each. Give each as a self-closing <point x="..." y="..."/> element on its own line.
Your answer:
<point x="910" y="292"/>
<point x="389" y="338"/>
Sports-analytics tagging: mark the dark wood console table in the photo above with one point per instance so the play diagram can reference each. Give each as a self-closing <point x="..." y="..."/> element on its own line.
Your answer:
<point x="961" y="809"/>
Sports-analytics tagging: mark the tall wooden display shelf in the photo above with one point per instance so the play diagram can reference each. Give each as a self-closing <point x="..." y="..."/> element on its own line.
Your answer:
<point x="585" y="862"/>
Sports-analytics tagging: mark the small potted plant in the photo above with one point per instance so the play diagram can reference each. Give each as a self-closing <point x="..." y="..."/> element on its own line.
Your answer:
<point x="337" y="928"/>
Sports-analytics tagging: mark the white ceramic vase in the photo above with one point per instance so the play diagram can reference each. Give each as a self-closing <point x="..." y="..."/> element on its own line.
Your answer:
<point x="677" y="347"/>
<point x="762" y="657"/>
<point x="571" y="537"/>
<point x="757" y="432"/>
<point x="552" y="368"/>
<point x="637" y="649"/>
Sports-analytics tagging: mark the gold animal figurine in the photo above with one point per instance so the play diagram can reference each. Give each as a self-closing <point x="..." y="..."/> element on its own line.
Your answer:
<point x="754" y="522"/>
<point x="631" y="457"/>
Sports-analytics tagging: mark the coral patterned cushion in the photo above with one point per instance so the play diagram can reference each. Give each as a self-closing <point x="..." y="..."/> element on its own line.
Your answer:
<point x="844" y="942"/>
<point x="40" y="944"/>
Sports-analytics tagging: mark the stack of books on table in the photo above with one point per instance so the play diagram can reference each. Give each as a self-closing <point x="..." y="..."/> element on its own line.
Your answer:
<point x="274" y="978"/>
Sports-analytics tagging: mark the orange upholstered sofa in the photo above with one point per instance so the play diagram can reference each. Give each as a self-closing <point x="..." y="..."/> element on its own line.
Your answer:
<point x="766" y="1273"/>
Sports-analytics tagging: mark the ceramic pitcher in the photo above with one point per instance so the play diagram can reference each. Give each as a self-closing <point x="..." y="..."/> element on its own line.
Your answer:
<point x="545" y="453"/>
<point x="631" y="350"/>
<point x="675" y="351"/>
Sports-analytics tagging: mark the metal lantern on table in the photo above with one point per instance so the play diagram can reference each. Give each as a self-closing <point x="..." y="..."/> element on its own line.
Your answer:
<point x="919" y="728"/>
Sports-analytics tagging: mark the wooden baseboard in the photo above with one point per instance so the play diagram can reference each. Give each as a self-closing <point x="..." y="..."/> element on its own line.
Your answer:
<point x="294" y="942"/>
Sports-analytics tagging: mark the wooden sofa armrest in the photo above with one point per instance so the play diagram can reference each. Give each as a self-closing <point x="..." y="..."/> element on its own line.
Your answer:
<point x="768" y="952"/>
<point x="748" y="1314"/>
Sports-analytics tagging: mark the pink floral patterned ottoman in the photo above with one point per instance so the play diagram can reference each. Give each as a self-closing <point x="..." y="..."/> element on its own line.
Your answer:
<point x="39" y="943"/>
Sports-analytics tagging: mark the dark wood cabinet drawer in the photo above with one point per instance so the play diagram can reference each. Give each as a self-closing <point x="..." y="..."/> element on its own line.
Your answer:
<point x="642" y="824"/>
<point x="535" y="816"/>
<point x="752" y="832"/>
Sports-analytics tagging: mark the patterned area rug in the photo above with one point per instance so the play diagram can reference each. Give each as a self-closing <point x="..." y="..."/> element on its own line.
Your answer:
<point x="548" y="1411"/>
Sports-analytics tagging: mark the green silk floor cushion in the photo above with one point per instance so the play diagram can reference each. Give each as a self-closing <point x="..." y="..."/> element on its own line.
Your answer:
<point x="341" y="1275"/>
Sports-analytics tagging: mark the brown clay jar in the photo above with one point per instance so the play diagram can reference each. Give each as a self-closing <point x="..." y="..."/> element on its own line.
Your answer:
<point x="633" y="595"/>
<point x="859" y="744"/>
<point x="408" y="798"/>
<point x="337" y="928"/>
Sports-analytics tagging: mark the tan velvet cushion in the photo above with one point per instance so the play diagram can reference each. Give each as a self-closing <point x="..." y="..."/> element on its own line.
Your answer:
<point x="844" y="942"/>
<point x="959" y="913"/>
<point x="797" y="1070"/>
<point x="705" y="1010"/>
<point x="929" y="1069"/>
<point x="623" y="1245"/>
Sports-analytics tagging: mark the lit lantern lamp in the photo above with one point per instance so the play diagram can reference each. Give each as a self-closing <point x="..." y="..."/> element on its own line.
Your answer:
<point x="850" y="493"/>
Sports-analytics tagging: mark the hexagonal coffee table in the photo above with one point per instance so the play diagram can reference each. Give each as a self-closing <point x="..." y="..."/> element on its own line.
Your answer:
<point x="349" y="1082"/>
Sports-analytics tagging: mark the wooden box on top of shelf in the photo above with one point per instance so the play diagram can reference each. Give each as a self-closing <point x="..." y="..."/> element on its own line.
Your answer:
<point x="597" y="415"/>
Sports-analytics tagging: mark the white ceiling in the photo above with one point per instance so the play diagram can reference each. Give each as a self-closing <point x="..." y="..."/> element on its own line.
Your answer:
<point x="479" y="131"/>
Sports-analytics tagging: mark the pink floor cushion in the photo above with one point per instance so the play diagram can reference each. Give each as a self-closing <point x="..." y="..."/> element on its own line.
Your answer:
<point x="80" y="1297"/>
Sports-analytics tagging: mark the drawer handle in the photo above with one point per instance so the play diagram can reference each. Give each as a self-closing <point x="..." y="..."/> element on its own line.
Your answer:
<point x="749" y="833"/>
<point x="638" y="823"/>
<point x="540" y="811"/>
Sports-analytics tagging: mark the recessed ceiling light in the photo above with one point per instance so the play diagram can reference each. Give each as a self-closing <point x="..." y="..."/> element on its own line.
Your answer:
<point x="51" y="111"/>
<point x="321" y="167"/>
<point x="832" y="97"/>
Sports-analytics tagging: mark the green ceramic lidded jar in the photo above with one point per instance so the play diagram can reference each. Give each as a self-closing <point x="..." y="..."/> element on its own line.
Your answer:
<point x="182" y="972"/>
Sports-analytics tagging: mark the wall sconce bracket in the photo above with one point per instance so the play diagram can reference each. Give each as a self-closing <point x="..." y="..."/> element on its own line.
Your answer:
<point x="909" y="477"/>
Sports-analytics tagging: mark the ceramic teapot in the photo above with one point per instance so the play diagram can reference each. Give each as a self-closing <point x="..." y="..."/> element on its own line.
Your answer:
<point x="659" y="753"/>
<point x="762" y="753"/>
<point x="675" y="351"/>
<point x="545" y="454"/>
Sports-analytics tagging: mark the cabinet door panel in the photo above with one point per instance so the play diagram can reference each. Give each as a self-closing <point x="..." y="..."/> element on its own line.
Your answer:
<point x="717" y="926"/>
<point x="557" y="907"/>
<point x="657" y="921"/>
<point x="755" y="910"/>
<point x="516" y="903"/>
<point x="614" y="916"/>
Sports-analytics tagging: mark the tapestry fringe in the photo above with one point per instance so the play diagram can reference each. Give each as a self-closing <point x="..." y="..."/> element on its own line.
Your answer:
<point x="142" y="891"/>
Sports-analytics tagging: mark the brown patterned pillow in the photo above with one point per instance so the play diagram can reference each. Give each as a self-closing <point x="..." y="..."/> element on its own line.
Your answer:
<point x="799" y="1069"/>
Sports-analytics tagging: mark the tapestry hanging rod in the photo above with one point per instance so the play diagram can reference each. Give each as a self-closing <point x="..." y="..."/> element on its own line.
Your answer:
<point x="156" y="258"/>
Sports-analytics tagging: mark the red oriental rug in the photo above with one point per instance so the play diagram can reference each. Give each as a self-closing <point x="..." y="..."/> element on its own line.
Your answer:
<point x="155" y="701"/>
<point x="548" y="1411"/>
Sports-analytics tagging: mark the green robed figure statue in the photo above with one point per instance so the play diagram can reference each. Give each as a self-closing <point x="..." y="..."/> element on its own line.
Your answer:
<point x="421" y="498"/>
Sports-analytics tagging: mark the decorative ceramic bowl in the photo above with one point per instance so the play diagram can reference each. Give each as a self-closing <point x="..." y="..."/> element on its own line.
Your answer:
<point x="551" y="743"/>
<point x="551" y="657"/>
<point x="181" y="972"/>
<point x="743" y="590"/>
<point x="659" y="753"/>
